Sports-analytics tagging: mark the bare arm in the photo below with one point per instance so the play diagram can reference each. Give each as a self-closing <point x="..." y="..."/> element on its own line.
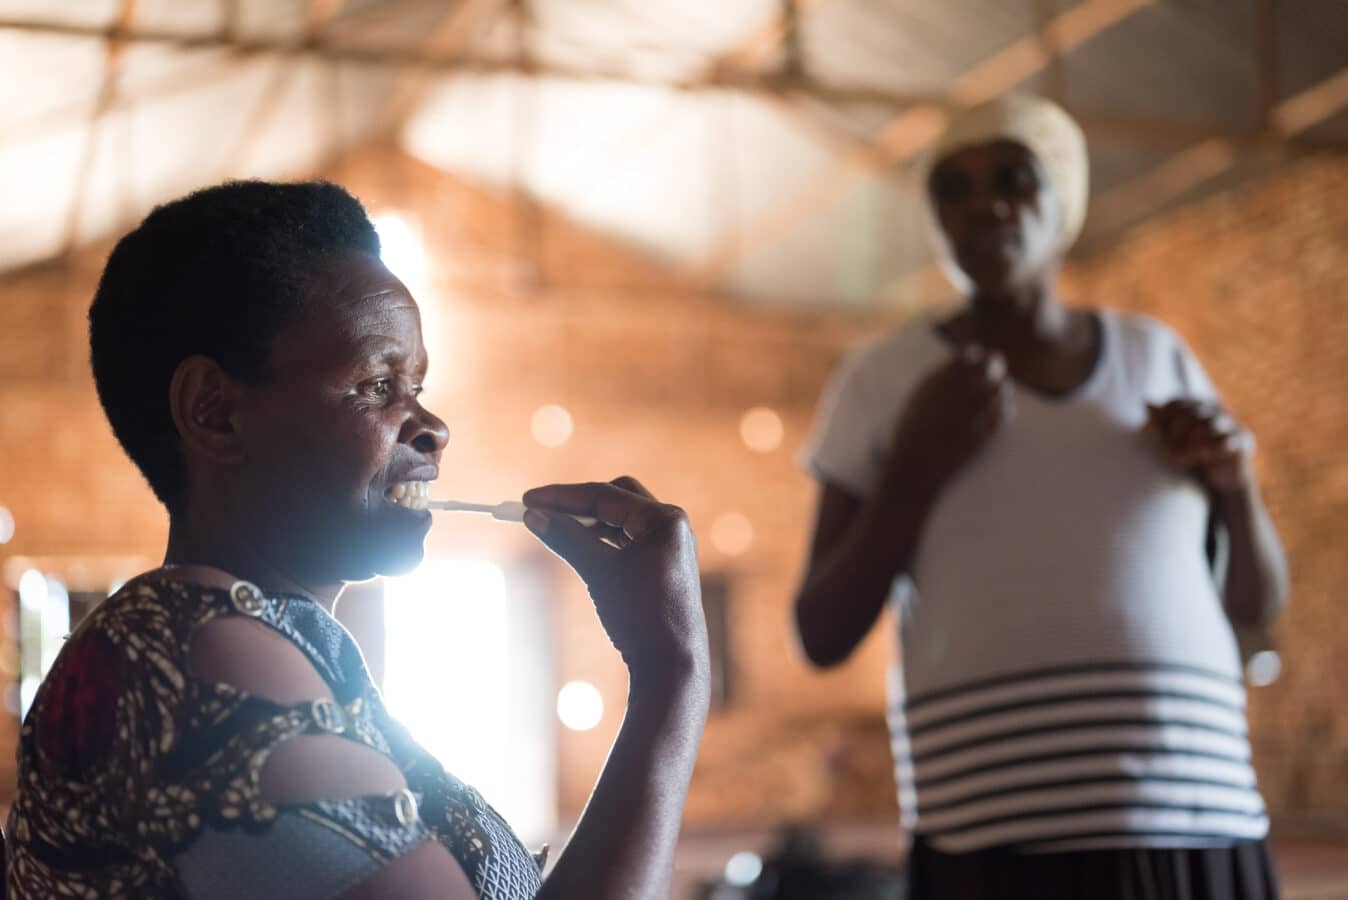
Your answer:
<point x="861" y="544"/>
<point x="624" y="843"/>
<point x="859" y="548"/>
<point x="1256" y="585"/>
<point x="646" y="590"/>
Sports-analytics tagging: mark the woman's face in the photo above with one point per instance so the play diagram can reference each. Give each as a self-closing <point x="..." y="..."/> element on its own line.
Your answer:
<point x="997" y="213"/>
<point x="338" y="424"/>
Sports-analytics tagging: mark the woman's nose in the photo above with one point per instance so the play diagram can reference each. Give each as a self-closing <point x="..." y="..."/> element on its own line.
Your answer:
<point x="427" y="432"/>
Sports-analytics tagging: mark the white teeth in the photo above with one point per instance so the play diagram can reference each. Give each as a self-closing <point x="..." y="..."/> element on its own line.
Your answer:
<point x="410" y="494"/>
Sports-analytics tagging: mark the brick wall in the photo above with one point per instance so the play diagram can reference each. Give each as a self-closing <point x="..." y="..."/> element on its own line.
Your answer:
<point x="524" y="309"/>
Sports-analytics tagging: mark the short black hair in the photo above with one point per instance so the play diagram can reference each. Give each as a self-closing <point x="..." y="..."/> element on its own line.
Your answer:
<point x="216" y="273"/>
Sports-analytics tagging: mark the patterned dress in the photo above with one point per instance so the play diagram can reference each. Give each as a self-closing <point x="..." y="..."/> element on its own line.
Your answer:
<point x="139" y="779"/>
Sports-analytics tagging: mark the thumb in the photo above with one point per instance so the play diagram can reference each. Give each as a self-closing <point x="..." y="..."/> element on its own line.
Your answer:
<point x="577" y="545"/>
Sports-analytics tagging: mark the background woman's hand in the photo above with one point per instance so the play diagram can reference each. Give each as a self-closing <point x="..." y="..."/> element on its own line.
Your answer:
<point x="952" y="415"/>
<point x="640" y="565"/>
<point x="1204" y="440"/>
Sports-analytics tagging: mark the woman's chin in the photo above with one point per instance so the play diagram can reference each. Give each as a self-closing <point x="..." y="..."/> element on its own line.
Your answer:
<point x="385" y="551"/>
<point x="987" y="275"/>
<point x="400" y="553"/>
<point x="400" y="565"/>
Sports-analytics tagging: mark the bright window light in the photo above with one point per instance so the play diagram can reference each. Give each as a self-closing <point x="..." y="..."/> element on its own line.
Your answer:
<point x="460" y="680"/>
<point x="401" y="249"/>
<point x="44" y="624"/>
<point x="32" y="591"/>
<point x="447" y="648"/>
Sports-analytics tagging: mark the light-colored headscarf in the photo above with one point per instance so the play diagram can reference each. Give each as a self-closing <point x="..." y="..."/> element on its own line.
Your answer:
<point x="1044" y="128"/>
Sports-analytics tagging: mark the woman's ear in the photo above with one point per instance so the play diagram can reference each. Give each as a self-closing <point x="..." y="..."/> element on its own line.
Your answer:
<point x="203" y="400"/>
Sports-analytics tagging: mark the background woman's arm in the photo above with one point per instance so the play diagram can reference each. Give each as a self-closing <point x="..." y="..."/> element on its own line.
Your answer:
<point x="1256" y="581"/>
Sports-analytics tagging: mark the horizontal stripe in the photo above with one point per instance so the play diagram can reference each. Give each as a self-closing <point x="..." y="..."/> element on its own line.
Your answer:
<point x="1151" y="795"/>
<point x="1096" y="822"/>
<point x="976" y="764"/>
<point x="1107" y="766"/>
<point x="1083" y="683"/>
<point x="916" y="701"/>
<point x="1134" y="781"/>
<point x="1025" y="706"/>
<point x="1137" y="713"/>
<point x="1142" y="725"/>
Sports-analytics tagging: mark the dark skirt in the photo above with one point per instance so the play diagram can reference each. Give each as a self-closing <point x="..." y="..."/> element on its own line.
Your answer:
<point x="1241" y="872"/>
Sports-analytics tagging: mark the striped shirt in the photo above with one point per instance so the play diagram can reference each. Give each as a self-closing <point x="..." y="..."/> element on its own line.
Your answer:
<point x="1068" y="677"/>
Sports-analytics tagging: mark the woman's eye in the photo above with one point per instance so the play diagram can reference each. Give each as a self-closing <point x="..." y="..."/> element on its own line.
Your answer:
<point x="1017" y="180"/>
<point x="417" y="389"/>
<point x="379" y="389"/>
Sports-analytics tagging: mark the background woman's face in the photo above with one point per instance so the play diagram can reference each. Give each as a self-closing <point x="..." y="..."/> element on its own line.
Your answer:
<point x="997" y="213"/>
<point x="339" y="423"/>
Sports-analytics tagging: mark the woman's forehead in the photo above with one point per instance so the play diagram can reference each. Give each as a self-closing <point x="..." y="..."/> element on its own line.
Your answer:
<point x="350" y="277"/>
<point x="983" y="155"/>
<point x="358" y="290"/>
<point x="354" y="309"/>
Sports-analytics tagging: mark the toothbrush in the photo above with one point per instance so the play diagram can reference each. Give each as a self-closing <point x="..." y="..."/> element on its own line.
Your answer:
<point x="509" y="511"/>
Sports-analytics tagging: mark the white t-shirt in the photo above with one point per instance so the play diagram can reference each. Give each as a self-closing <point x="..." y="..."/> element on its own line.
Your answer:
<point x="1068" y="676"/>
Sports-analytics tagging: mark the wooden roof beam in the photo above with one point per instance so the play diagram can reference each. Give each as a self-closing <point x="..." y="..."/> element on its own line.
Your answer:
<point x="454" y="34"/>
<point x="319" y="15"/>
<point x="1210" y="158"/>
<point x="107" y="94"/>
<point x="912" y="131"/>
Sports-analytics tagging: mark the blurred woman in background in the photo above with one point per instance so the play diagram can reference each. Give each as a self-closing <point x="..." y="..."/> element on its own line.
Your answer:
<point x="1052" y="485"/>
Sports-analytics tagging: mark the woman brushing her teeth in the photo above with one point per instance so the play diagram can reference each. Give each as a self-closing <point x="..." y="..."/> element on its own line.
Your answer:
<point x="211" y="731"/>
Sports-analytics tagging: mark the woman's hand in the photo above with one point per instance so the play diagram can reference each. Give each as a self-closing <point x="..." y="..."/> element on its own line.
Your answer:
<point x="1203" y="439"/>
<point x="640" y="565"/>
<point x="952" y="415"/>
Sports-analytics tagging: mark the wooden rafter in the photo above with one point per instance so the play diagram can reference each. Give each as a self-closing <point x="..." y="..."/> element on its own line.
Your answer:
<point x="107" y="94"/>
<point x="1267" y="31"/>
<point x="912" y="131"/>
<point x="1055" y="72"/>
<point x="448" y="40"/>
<point x="756" y="49"/>
<point x="1209" y="159"/>
<point x="1171" y="178"/>
<point x="734" y="68"/>
<point x="319" y="15"/>
<point x="1312" y="106"/>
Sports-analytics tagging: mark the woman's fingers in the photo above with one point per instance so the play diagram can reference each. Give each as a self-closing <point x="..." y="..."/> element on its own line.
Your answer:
<point x="628" y="483"/>
<point x="583" y="548"/>
<point x="633" y="513"/>
<point x="1185" y="424"/>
